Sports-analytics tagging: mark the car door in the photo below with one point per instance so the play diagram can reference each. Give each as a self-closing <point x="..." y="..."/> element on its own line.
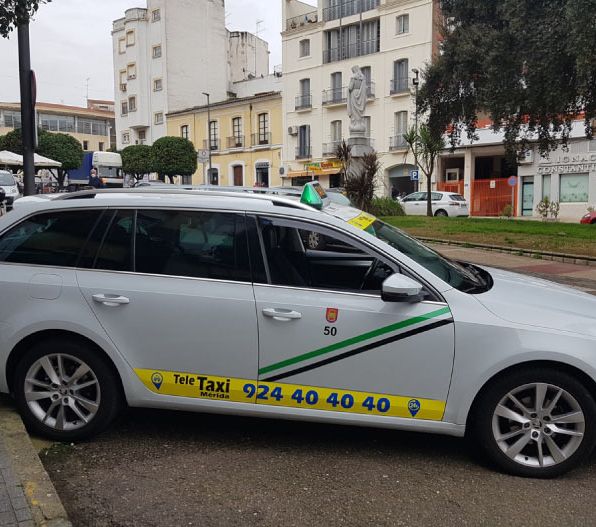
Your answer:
<point x="328" y="341"/>
<point x="173" y="290"/>
<point x="408" y="203"/>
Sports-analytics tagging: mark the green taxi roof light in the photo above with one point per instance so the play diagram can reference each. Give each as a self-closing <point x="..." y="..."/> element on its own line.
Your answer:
<point x="312" y="197"/>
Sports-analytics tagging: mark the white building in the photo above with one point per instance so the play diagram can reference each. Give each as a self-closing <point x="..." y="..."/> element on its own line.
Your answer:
<point x="168" y="54"/>
<point x="387" y="39"/>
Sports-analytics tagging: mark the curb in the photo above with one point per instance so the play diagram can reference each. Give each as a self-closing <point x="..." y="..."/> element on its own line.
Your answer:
<point x="45" y="504"/>
<point x="576" y="259"/>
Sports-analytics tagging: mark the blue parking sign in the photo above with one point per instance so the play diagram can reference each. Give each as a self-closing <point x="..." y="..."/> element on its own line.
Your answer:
<point x="415" y="175"/>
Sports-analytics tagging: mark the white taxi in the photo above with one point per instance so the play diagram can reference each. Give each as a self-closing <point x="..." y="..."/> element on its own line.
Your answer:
<point x="211" y="301"/>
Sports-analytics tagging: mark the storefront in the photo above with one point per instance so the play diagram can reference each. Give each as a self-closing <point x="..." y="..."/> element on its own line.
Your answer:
<point x="328" y="173"/>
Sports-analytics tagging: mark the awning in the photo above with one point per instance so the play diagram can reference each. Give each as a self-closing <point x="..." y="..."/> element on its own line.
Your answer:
<point x="45" y="162"/>
<point x="12" y="159"/>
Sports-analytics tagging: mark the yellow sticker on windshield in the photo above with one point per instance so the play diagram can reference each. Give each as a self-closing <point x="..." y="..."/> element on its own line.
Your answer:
<point x="363" y="221"/>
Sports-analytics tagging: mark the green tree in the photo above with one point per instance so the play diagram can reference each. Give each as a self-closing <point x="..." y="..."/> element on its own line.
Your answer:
<point x="527" y="64"/>
<point x="361" y="180"/>
<point x="174" y="156"/>
<point x="13" y="142"/>
<point x="16" y="12"/>
<point x="425" y="146"/>
<point x="137" y="160"/>
<point x="63" y="148"/>
<point x="2" y="143"/>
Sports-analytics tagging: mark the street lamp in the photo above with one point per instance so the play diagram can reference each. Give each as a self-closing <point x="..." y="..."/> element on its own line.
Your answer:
<point x="209" y="135"/>
<point x="416" y="83"/>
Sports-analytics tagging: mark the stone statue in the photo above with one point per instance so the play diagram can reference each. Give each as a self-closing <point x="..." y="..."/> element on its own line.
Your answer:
<point x="357" y="98"/>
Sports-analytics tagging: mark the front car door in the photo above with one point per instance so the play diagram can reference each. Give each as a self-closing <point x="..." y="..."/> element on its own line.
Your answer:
<point x="173" y="290"/>
<point x="328" y="341"/>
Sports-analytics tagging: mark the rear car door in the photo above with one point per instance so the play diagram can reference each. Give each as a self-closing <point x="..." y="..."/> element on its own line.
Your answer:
<point x="173" y="290"/>
<point x="328" y="341"/>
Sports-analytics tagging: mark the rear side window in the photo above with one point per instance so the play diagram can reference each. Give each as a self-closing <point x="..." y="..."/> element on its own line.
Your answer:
<point x="192" y="244"/>
<point x="55" y="239"/>
<point x="115" y="253"/>
<point x="436" y="196"/>
<point x="456" y="197"/>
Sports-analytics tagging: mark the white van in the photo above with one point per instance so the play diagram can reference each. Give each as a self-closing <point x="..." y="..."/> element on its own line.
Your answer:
<point x="8" y="184"/>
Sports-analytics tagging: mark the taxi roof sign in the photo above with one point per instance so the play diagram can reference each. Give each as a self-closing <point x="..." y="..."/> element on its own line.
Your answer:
<point x="313" y="195"/>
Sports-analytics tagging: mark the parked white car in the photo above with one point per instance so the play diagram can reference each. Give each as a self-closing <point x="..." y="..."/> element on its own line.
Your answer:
<point x="443" y="204"/>
<point x="8" y="183"/>
<point x="210" y="301"/>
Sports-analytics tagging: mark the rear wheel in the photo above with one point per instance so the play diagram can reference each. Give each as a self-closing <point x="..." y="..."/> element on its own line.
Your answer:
<point x="441" y="213"/>
<point x="65" y="391"/>
<point x="539" y="423"/>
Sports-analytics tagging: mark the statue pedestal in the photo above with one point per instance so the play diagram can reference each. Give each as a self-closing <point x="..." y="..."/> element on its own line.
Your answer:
<point x="360" y="145"/>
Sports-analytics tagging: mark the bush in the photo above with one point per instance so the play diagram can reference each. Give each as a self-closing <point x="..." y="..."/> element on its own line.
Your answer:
<point x="386" y="207"/>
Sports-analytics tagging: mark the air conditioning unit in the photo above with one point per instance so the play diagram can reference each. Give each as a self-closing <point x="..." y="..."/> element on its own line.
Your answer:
<point x="292" y="130"/>
<point x="526" y="157"/>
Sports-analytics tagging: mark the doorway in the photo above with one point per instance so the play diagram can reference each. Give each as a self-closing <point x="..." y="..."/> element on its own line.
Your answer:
<point x="528" y="197"/>
<point x="238" y="176"/>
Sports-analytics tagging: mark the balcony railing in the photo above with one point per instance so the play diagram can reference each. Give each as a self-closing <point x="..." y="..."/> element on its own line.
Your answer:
<point x="329" y="149"/>
<point x="236" y="141"/>
<point x="348" y="8"/>
<point x="400" y="85"/>
<point x="335" y="96"/>
<point x="261" y="139"/>
<point x="349" y="51"/>
<point x="398" y="142"/>
<point x="303" y="152"/>
<point x="213" y="144"/>
<point x="304" y="102"/>
<point x="302" y="20"/>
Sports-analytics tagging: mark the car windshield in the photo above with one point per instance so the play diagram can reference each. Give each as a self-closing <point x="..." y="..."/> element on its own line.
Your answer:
<point x="109" y="172"/>
<point x="453" y="273"/>
<point x="6" y="180"/>
<point x="339" y="198"/>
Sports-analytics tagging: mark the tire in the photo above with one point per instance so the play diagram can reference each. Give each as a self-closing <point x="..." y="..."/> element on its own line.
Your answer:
<point x="315" y="241"/>
<point x="570" y="397"/>
<point x="441" y="213"/>
<point x="86" y="410"/>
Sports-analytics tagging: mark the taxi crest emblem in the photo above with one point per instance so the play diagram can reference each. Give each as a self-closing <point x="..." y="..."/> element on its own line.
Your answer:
<point x="332" y="315"/>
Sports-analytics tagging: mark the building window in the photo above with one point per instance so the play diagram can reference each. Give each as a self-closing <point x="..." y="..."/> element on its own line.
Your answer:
<point x="101" y="146"/>
<point x="352" y="41"/>
<point x="574" y="188"/>
<point x="124" y="108"/>
<point x="336" y="135"/>
<point x="401" y="81"/>
<point x="303" y="150"/>
<point x="157" y="85"/>
<point x="158" y="119"/>
<point x="86" y="146"/>
<point x="263" y="129"/>
<point x="142" y="136"/>
<point x="237" y="132"/>
<point x="121" y="46"/>
<point x="125" y="138"/>
<point x="132" y="104"/>
<point x="155" y="15"/>
<point x="305" y="48"/>
<point x="131" y="71"/>
<point x="402" y="24"/>
<point x="213" y="135"/>
<point x="304" y="100"/>
<point x="184" y="131"/>
<point x="56" y="123"/>
<point x="546" y="182"/>
<point x="157" y="51"/>
<point x="94" y="126"/>
<point x="130" y="38"/>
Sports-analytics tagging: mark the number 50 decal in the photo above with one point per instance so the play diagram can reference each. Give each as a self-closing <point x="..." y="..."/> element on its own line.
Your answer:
<point x="330" y="330"/>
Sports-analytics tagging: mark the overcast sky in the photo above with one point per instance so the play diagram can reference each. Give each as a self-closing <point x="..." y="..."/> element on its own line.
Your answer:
<point x="71" y="41"/>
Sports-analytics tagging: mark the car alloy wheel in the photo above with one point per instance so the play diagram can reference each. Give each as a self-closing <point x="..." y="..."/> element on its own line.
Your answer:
<point x="538" y="425"/>
<point x="314" y="240"/>
<point x="62" y="392"/>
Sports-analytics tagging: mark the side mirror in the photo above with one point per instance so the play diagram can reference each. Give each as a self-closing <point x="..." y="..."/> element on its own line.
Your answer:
<point x="400" y="288"/>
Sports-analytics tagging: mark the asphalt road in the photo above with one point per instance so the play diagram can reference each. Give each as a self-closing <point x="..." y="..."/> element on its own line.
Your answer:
<point x="173" y="469"/>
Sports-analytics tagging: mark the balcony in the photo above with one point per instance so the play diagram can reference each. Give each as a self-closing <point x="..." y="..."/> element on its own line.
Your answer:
<point x="302" y="20"/>
<point x="400" y="86"/>
<point x="304" y="102"/>
<point x="261" y="139"/>
<point x="329" y="149"/>
<point x="303" y="152"/>
<point x="236" y="141"/>
<point x="398" y="142"/>
<point x="211" y="145"/>
<point x="335" y="96"/>
<point x="349" y="8"/>
<point x="349" y="51"/>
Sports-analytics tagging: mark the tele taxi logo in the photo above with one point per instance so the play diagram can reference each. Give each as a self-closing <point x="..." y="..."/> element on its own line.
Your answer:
<point x="332" y="315"/>
<point x="157" y="380"/>
<point x="414" y="407"/>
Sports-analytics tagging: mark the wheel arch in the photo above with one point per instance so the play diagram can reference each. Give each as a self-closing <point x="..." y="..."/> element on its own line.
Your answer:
<point x="31" y="340"/>
<point x="576" y="372"/>
<point x="441" y="212"/>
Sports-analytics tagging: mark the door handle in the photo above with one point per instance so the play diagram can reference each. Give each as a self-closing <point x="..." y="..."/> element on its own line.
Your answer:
<point x="111" y="300"/>
<point x="281" y="315"/>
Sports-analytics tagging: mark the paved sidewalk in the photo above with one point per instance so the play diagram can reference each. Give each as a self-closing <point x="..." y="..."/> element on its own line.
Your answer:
<point x="14" y="508"/>
<point x="580" y="276"/>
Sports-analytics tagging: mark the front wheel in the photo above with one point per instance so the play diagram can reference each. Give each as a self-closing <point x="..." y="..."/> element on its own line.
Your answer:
<point x="539" y="423"/>
<point x="65" y="391"/>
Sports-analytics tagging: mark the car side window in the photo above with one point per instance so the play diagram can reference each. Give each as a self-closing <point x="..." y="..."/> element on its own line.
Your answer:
<point x="115" y="253"/>
<point x="305" y="255"/>
<point x="412" y="197"/>
<point x="422" y="196"/>
<point x="436" y="196"/>
<point x="210" y="245"/>
<point x="54" y="239"/>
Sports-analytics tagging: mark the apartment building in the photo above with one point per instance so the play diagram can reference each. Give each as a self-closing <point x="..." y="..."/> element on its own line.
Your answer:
<point x="93" y="126"/>
<point x="389" y="40"/>
<point x="167" y="54"/>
